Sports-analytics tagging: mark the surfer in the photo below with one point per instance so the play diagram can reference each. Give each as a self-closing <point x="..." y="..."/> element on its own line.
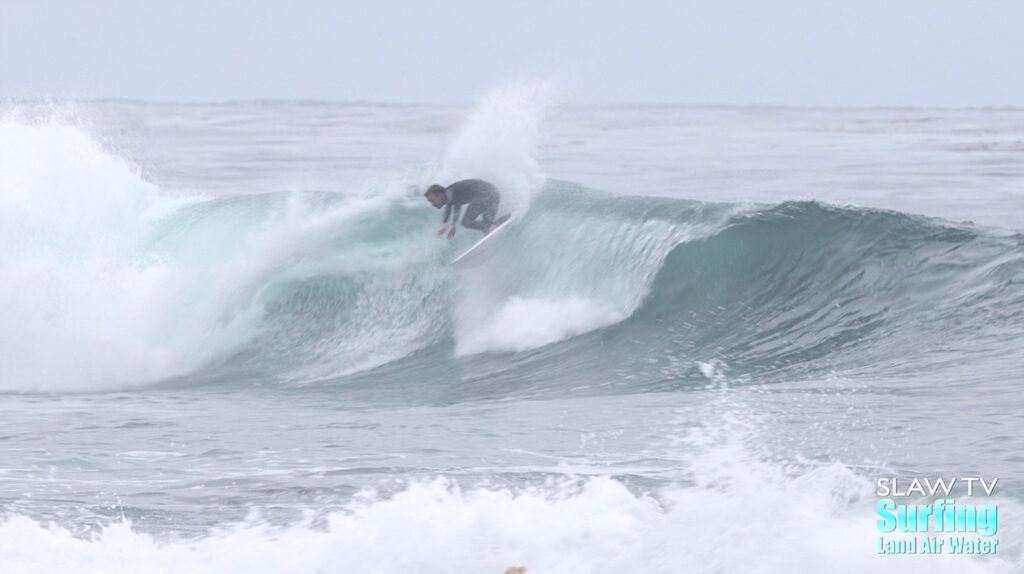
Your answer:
<point x="481" y="199"/>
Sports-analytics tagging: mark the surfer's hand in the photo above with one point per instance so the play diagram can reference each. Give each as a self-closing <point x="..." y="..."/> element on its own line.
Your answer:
<point x="451" y="233"/>
<point x="443" y="227"/>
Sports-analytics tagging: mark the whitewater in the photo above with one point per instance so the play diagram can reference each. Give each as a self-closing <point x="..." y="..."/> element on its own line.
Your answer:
<point x="230" y="341"/>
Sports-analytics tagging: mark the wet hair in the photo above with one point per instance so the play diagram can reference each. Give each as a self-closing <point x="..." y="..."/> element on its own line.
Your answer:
<point x="438" y="189"/>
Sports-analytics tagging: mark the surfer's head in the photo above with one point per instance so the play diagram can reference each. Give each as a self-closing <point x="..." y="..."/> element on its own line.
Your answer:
<point x="435" y="195"/>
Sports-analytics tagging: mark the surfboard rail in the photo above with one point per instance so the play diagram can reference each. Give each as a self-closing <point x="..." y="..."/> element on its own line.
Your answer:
<point x="481" y="250"/>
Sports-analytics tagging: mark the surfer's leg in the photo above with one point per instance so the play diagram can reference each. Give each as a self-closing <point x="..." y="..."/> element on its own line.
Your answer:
<point x="469" y="219"/>
<point x="484" y="207"/>
<point x="491" y="211"/>
<point x="490" y="200"/>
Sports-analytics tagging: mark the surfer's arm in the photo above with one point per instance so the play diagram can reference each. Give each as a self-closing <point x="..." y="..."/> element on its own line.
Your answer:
<point x="455" y="220"/>
<point x="444" y="222"/>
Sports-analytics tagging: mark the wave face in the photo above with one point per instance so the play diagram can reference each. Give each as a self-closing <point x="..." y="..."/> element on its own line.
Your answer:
<point x="111" y="284"/>
<point x="670" y="291"/>
<point x="809" y="287"/>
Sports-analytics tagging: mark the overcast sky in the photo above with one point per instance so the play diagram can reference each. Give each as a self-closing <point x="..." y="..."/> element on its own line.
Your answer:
<point x="790" y="52"/>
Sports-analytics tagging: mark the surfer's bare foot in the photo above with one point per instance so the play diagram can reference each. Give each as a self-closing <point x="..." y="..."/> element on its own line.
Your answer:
<point x="490" y="229"/>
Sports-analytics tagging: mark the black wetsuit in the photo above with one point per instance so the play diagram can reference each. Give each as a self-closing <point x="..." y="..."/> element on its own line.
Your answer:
<point x="482" y="199"/>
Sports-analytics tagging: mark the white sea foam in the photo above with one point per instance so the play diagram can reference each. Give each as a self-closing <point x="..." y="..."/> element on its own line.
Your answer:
<point x="528" y="323"/>
<point x="734" y="514"/>
<point x="74" y="296"/>
<point x="87" y="305"/>
<point x="498" y="142"/>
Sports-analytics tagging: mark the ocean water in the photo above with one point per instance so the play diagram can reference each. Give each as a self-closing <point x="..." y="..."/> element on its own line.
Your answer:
<point x="230" y="342"/>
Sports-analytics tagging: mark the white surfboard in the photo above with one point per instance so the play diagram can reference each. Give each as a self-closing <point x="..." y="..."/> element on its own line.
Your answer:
<point x="481" y="250"/>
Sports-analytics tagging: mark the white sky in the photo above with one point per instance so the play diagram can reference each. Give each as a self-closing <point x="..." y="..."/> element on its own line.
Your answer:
<point x="789" y="52"/>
